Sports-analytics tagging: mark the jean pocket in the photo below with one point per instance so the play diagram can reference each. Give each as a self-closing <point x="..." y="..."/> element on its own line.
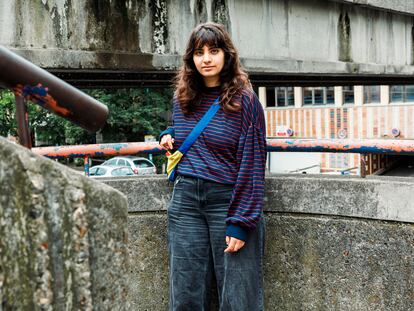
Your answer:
<point x="177" y="180"/>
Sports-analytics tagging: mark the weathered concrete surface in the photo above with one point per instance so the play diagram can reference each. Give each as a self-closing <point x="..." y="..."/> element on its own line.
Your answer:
<point x="63" y="237"/>
<point x="331" y="243"/>
<point x="402" y="6"/>
<point x="279" y="36"/>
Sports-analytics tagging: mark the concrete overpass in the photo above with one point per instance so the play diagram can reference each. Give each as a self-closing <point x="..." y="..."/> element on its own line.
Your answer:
<point x="133" y="43"/>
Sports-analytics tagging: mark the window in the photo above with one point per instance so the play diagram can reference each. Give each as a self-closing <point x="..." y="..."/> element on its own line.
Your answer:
<point x="142" y="163"/>
<point x="372" y="94"/>
<point x="121" y="162"/>
<point x="100" y="171"/>
<point x="270" y="97"/>
<point x="92" y="171"/>
<point x="110" y="162"/>
<point x="318" y="95"/>
<point x="284" y="96"/>
<point x="348" y="94"/>
<point x="402" y="93"/>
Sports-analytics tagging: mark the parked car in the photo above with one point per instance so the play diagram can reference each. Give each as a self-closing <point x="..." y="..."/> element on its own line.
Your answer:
<point x="110" y="171"/>
<point x="140" y="166"/>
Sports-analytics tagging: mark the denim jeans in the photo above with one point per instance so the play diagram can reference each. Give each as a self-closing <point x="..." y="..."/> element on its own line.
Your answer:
<point x="196" y="243"/>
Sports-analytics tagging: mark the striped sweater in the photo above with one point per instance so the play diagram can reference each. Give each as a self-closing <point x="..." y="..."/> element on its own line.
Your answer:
<point x="230" y="150"/>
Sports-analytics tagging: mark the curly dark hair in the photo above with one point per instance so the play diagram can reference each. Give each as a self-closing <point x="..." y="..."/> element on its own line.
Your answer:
<point x="189" y="83"/>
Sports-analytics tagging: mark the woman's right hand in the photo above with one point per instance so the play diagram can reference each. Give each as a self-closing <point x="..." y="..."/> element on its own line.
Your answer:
<point x="167" y="142"/>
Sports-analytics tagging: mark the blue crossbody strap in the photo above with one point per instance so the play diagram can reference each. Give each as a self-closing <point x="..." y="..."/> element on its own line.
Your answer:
<point x="201" y="125"/>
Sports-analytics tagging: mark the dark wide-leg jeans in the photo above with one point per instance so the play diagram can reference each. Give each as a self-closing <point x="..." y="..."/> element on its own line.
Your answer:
<point x="196" y="243"/>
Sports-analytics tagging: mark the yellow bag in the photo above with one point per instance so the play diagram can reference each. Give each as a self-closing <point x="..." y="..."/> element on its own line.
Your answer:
<point x="173" y="160"/>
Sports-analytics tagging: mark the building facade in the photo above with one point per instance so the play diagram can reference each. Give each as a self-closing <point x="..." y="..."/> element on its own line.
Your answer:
<point x="342" y="112"/>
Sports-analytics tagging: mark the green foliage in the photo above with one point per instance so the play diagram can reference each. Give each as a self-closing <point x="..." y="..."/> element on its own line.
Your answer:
<point x="8" y="123"/>
<point x="133" y="113"/>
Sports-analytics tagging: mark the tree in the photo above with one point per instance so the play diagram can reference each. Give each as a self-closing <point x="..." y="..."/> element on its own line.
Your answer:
<point x="133" y="113"/>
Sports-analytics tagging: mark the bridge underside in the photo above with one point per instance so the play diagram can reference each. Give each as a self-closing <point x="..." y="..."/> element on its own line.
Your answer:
<point x="163" y="78"/>
<point x="297" y="42"/>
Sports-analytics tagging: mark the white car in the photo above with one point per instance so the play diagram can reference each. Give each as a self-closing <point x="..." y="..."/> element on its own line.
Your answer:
<point x="110" y="171"/>
<point x="140" y="166"/>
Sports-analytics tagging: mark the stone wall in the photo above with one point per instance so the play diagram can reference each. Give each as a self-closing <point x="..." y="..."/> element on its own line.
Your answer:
<point x="62" y="237"/>
<point x="331" y="243"/>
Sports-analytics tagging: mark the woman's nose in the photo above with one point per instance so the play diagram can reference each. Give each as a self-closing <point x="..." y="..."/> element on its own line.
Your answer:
<point x="206" y="57"/>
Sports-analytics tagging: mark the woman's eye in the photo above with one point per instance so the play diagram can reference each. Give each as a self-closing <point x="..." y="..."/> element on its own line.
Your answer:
<point x="214" y="51"/>
<point x="198" y="53"/>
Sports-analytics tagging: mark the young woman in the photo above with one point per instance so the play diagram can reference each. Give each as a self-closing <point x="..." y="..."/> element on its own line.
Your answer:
<point x="215" y="224"/>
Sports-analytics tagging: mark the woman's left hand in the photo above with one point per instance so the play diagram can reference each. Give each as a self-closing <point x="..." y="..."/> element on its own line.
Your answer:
<point x="233" y="244"/>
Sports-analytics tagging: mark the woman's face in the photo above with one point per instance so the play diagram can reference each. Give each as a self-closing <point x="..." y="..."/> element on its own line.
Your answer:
<point x="209" y="62"/>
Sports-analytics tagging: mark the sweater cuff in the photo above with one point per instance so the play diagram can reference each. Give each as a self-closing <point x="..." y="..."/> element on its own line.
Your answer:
<point x="237" y="232"/>
<point x="169" y="130"/>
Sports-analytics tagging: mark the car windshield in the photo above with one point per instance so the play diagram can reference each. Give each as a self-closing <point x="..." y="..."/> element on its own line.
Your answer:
<point x="110" y="162"/>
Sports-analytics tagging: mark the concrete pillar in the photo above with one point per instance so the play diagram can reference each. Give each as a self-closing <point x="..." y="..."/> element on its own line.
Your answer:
<point x="262" y="96"/>
<point x="339" y="96"/>
<point x="358" y="95"/>
<point x="262" y="99"/>
<point x="298" y="94"/>
<point x="385" y="94"/>
<point x="67" y="232"/>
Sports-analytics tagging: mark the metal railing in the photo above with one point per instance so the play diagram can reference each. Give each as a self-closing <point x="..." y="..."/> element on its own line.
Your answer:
<point x="362" y="146"/>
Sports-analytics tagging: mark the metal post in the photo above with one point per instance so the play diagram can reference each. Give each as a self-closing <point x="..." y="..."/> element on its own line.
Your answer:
<point x="23" y="122"/>
<point x="86" y="165"/>
<point x="363" y="171"/>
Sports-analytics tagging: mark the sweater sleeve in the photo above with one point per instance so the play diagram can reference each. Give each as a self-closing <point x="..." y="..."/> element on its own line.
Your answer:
<point x="247" y="201"/>
<point x="170" y="130"/>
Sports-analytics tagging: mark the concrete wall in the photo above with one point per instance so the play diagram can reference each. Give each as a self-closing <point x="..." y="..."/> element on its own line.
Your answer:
<point x="400" y="6"/>
<point x="62" y="237"/>
<point x="300" y="36"/>
<point x="331" y="243"/>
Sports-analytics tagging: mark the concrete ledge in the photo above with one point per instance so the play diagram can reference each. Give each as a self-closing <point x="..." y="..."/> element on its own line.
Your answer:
<point x="326" y="247"/>
<point x="382" y="198"/>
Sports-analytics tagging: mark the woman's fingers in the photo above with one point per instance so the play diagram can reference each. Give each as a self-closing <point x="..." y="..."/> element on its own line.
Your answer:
<point x="234" y="245"/>
<point x="167" y="142"/>
<point x="170" y="143"/>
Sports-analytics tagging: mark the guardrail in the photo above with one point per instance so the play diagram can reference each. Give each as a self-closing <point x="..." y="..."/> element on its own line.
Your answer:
<point x="362" y="146"/>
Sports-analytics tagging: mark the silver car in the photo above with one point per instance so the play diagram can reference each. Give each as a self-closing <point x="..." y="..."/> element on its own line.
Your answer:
<point x="140" y="166"/>
<point x="101" y="171"/>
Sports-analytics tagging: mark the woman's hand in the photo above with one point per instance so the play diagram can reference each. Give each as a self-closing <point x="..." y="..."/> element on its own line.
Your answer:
<point x="233" y="244"/>
<point x="167" y="142"/>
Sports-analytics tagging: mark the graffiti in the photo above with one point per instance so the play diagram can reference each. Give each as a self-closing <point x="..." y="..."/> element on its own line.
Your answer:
<point x="40" y="95"/>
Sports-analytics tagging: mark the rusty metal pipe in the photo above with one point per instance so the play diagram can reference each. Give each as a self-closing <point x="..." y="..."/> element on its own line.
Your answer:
<point x="86" y="165"/>
<point x="48" y="91"/>
<point x="377" y="146"/>
<point x="23" y="122"/>
<point x="98" y="150"/>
